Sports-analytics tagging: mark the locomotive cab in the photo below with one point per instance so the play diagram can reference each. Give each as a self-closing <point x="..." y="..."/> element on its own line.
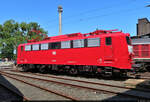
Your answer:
<point x="20" y="54"/>
<point x="123" y="53"/>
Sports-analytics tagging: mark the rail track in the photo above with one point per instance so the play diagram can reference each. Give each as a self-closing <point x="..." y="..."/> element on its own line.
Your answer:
<point x="6" y="66"/>
<point x="87" y="82"/>
<point x="14" y="92"/>
<point x="42" y="88"/>
<point x="80" y="86"/>
<point x="139" y="76"/>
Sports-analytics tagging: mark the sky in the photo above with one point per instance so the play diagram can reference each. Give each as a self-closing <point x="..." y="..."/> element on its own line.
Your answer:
<point x="78" y="15"/>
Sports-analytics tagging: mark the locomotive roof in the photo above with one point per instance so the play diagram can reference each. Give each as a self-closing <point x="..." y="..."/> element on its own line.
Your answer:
<point x="73" y="36"/>
<point x="141" y="41"/>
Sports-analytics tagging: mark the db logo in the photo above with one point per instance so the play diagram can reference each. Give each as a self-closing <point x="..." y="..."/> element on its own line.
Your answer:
<point x="99" y="60"/>
<point x="54" y="53"/>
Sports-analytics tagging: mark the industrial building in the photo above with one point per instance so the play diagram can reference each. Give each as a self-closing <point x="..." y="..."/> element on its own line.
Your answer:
<point x="143" y="27"/>
<point x="143" y="31"/>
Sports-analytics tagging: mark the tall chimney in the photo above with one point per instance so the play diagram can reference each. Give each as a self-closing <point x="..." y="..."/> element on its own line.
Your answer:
<point x="60" y="10"/>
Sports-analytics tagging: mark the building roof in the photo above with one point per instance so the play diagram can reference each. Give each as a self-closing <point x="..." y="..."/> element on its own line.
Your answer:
<point x="143" y="20"/>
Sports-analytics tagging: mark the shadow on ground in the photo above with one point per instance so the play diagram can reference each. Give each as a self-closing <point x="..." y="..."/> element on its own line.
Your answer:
<point x="142" y="85"/>
<point x="5" y="94"/>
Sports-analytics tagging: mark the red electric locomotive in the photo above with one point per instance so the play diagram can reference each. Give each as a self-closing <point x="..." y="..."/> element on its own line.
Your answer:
<point x="102" y="51"/>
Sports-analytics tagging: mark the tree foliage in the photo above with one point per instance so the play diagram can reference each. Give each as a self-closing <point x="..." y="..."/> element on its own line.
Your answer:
<point x="13" y="33"/>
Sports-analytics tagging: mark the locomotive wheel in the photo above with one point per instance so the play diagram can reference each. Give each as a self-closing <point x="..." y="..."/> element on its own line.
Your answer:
<point x="143" y="68"/>
<point x="148" y="68"/>
<point x="73" y="71"/>
<point x="42" y="70"/>
<point x="25" y="68"/>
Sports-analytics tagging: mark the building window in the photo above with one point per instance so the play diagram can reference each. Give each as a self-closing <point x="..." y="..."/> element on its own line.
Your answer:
<point x="55" y="45"/>
<point x="78" y="43"/>
<point x="93" y="42"/>
<point x="28" y="48"/>
<point x="65" y="44"/>
<point x="35" y="47"/>
<point x="108" y="40"/>
<point x="44" y="46"/>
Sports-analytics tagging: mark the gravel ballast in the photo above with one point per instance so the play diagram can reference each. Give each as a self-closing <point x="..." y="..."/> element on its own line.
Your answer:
<point x="82" y="94"/>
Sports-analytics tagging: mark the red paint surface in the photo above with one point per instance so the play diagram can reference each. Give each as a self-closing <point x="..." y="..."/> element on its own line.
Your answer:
<point x="115" y="55"/>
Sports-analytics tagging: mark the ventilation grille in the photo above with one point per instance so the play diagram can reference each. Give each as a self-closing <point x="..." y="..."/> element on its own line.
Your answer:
<point x="144" y="50"/>
<point x="136" y="50"/>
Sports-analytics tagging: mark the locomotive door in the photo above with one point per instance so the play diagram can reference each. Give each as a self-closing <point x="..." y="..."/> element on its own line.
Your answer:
<point x="21" y="53"/>
<point x="108" y="50"/>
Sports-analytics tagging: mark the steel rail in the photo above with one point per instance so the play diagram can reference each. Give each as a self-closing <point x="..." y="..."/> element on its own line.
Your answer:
<point x="88" y="82"/>
<point x="138" y="77"/>
<point x="42" y="88"/>
<point x="85" y="87"/>
<point x="145" y="78"/>
<point x="14" y="92"/>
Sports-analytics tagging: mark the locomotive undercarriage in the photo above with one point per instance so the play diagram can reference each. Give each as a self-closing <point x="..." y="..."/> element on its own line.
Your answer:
<point x="141" y="67"/>
<point x="75" y="69"/>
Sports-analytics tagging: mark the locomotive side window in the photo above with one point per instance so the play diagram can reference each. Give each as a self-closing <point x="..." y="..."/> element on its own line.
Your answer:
<point x="28" y="48"/>
<point x="93" y="42"/>
<point x="65" y="44"/>
<point x="21" y="48"/>
<point x="44" y="46"/>
<point x="108" y="41"/>
<point x="55" y="45"/>
<point x="85" y="42"/>
<point x="128" y="40"/>
<point x="35" y="47"/>
<point x="71" y="43"/>
<point x="78" y="43"/>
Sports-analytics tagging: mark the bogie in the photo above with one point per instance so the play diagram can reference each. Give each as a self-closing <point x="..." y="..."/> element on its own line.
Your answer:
<point x="75" y="70"/>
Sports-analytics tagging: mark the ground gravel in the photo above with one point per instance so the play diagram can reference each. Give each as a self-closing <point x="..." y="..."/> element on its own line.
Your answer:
<point x="33" y="93"/>
<point x="112" y="82"/>
<point x="83" y="94"/>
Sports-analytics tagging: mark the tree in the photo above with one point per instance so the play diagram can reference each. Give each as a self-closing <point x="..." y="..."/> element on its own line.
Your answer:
<point x="13" y="33"/>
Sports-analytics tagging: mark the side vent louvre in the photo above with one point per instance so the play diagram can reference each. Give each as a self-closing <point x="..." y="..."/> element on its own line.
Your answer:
<point x="145" y="50"/>
<point x="136" y="50"/>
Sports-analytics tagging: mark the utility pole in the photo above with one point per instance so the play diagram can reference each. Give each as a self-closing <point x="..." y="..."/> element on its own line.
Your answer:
<point x="60" y="10"/>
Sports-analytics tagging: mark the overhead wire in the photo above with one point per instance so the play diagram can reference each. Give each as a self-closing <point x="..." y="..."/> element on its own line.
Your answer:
<point x="100" y="16"/>
<point x="103" y="15"/>
<point x="86" y="12"/>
